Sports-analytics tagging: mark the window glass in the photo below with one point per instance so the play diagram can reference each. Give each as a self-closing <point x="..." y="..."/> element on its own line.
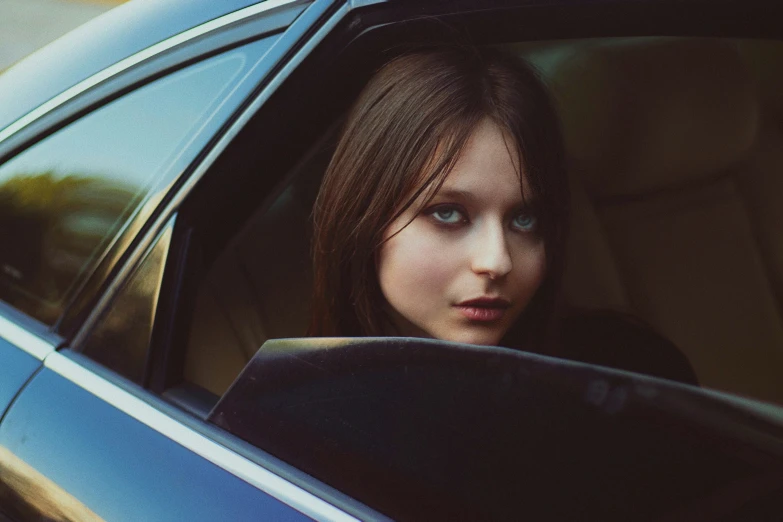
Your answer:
<point x="421" y="429"/>
<point x="64" y="200"/>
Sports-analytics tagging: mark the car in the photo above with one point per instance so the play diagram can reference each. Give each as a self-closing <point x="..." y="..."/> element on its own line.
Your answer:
<point x="158" y="166"/>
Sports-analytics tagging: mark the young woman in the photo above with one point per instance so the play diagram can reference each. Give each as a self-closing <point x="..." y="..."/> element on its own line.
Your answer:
<point x="443" y="212"/>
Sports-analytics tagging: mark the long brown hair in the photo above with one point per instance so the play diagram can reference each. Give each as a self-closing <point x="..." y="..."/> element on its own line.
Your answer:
<point x="402" y="137"/>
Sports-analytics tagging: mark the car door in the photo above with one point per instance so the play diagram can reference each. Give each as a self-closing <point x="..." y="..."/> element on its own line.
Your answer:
<point x="21" y="354"/>
<point x="84" y="441"/>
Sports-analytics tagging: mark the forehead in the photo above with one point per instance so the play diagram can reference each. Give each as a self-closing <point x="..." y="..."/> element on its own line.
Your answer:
<point x="489" y="165"/>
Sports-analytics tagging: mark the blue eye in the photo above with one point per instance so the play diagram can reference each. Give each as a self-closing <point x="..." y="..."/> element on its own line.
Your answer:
<point x="524" y="222"/>
<point x="447" y="215"/>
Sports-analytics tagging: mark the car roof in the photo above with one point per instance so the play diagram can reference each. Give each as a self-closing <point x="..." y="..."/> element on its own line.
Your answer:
<point x="101" y="42"/>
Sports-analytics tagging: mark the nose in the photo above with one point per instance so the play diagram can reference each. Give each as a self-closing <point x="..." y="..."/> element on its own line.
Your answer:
<point x="491" y="255"/>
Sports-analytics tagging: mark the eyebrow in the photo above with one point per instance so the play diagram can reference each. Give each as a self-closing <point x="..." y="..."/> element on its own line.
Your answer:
<point x="453" y="193"/>
<point x="530" y="202"/>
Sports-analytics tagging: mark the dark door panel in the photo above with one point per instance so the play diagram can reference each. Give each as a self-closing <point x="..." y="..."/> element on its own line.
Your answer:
<point x="16" y="367"/>
<point x="115" y="467"/>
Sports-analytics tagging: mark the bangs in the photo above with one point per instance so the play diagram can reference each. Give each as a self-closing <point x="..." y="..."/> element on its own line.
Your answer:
<point x="425" y="184"/>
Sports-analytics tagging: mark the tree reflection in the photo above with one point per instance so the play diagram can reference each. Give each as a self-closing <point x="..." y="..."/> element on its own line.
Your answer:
<point x="52" y="228"/>
<point x="25" y="494"/>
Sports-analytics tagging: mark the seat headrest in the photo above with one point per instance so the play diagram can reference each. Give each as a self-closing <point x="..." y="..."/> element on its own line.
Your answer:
<point x="645" y="114"/>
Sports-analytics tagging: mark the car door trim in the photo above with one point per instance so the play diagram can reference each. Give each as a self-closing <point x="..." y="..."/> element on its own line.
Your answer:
<point x="25" y="340"/>
<point x="141" y="56"/>
<point x="237" y="465"/>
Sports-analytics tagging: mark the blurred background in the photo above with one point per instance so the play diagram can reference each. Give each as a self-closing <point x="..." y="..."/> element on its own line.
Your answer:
<point x="27" y="25"/>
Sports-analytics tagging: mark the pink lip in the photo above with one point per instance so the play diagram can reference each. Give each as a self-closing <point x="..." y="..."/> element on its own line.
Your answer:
<point x="484" y="309"/>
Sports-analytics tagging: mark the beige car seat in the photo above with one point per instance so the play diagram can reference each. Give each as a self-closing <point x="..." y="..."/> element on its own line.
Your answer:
<point x="676" y="215"/>
<point x="259" y="288"/>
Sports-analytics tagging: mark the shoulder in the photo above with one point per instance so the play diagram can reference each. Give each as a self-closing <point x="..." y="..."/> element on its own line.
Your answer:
<point x="622" y="341"/>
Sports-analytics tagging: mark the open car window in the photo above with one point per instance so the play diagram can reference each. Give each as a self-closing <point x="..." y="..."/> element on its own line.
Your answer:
<point x="457" y="434"/>
<point x="649" y="241"/>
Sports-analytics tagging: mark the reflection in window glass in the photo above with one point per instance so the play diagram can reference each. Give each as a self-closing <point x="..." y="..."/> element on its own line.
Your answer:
<point x="65" y="199"/>
<point x="121" y="338"/>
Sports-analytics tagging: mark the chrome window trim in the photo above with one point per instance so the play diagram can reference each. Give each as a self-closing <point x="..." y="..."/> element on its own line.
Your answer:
<point x="25" y="340"/>
<point x="768" y="411"/>
<point x="141" y="56"/>
<point x="237" y="465"/>
<point x="355" y="4"/>
<point x="315" y="10"/>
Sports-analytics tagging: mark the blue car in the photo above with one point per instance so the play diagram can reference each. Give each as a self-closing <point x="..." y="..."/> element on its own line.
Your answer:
<point x="158" y="167"/>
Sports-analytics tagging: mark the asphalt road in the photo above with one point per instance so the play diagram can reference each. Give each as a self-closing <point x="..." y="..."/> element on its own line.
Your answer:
<point x="27" y="25"/>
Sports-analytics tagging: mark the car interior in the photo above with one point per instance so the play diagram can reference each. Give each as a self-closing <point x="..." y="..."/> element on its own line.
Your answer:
<point x="675" y="154"/>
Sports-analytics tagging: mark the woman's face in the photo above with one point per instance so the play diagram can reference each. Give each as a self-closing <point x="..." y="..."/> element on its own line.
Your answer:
<point x="470" y="261"/>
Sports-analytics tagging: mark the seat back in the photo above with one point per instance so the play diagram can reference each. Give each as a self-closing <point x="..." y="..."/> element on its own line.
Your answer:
<point x="663" y="137"/>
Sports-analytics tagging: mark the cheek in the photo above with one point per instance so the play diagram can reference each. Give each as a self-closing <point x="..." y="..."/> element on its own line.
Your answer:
<point x="530" y="270"/>
<point x="415" y="265"/>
